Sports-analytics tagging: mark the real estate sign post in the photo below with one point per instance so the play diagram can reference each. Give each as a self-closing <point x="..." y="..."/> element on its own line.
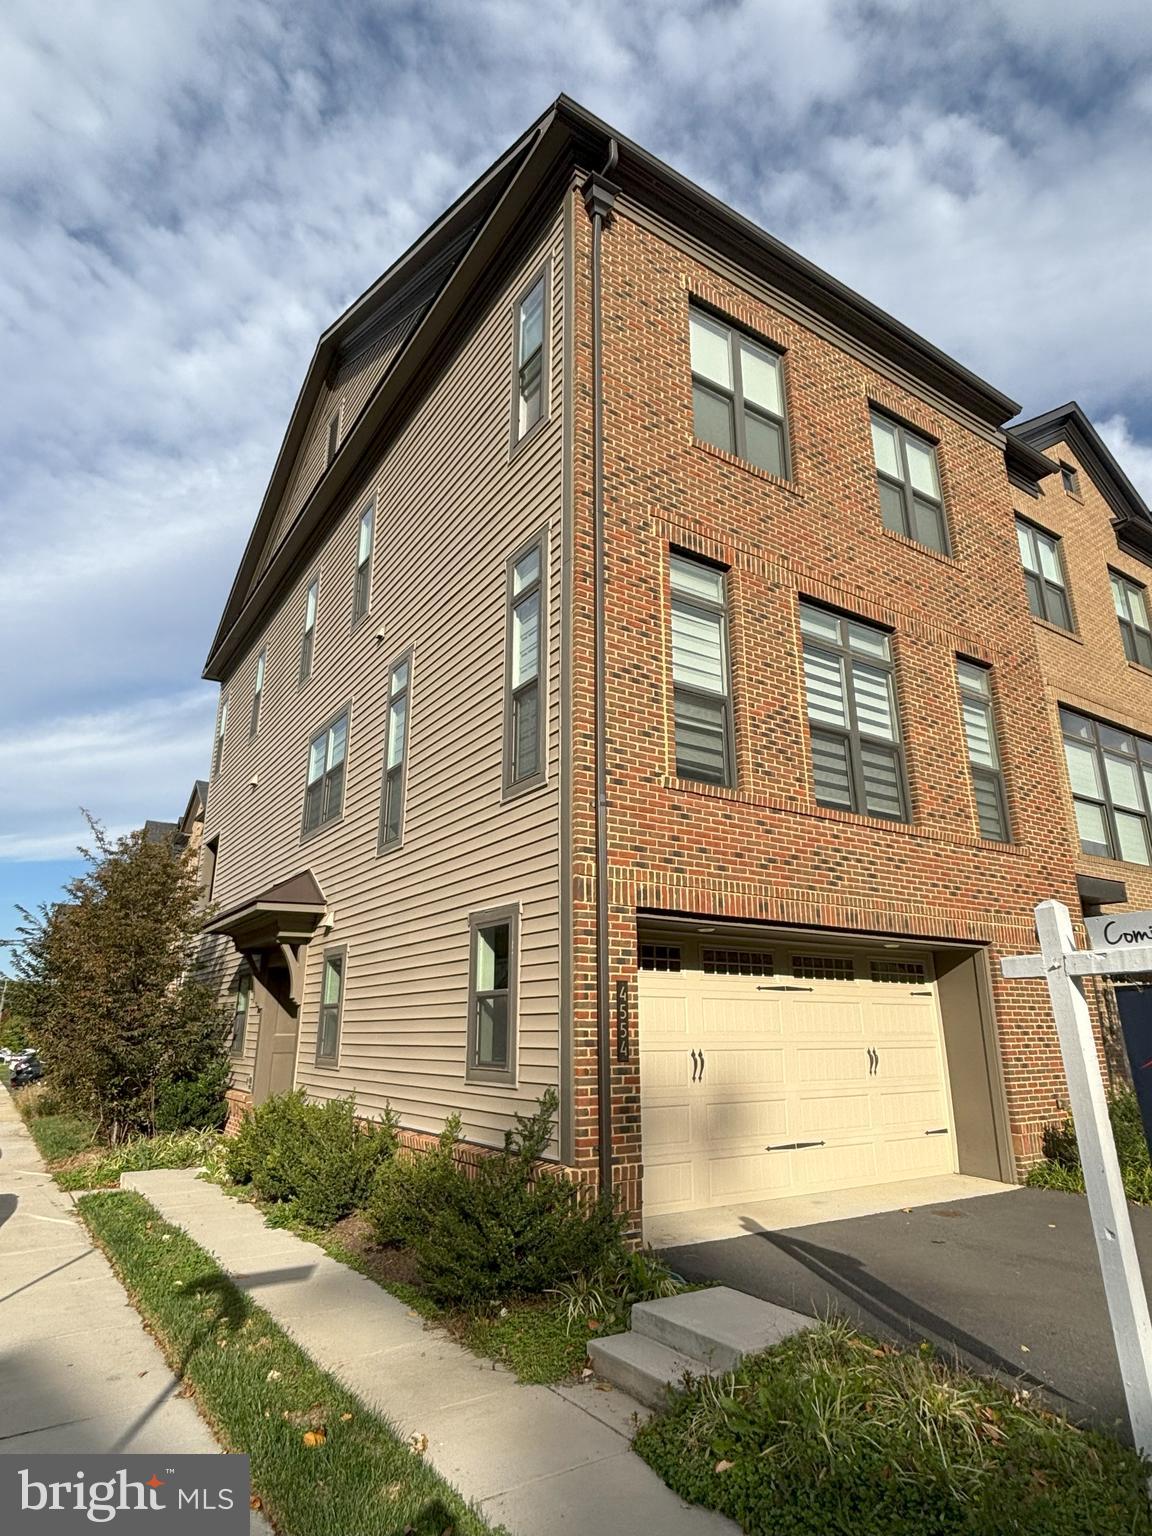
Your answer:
<point x="1062" y="965"/>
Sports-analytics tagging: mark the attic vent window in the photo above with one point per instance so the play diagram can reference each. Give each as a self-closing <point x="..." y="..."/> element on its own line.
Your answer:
<point x="1070" y="479"/>
<point x="333" y="436"/>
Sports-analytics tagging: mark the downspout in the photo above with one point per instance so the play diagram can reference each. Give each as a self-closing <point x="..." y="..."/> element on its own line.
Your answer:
<point x="599" y="200"/>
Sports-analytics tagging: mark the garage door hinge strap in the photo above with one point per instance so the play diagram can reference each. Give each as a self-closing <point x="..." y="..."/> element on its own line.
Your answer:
<point x="943" y="1131"/>
<point x="783" y="989"/>
<point x="793" y="1146"/>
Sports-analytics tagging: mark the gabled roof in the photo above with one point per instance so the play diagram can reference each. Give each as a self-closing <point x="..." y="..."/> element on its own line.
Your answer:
<point x="1069" y="424"/>
<point x="474" y="237"/>
<point x="159" y="831"/>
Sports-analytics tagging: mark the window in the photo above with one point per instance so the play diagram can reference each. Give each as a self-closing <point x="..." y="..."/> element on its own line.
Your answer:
<point x="1044" y="574"/>
<point x="1069" y="479"/>
<point x="975" y="684"/>
<point x="363" y="590"/>
<point x="324" y="792"/>
<point x="240" y="1013"/>
<point x="523" y="692"/>
<point x="700" y="682"/>
<point x="221" y="727"/>
<point x="309" y="636"/>
<point x="1110" y="774"/>
<point x="738" y="394"/>
<point x="735" y="962"/>
<point x="528" y="365"/>
<point x="660" y="957"/>
<point x="909" y="972"/>
<point x="857" y="759"/>
<point x="258" y="692"/>
<point x="333" y="436"/>
<point x="492" y="996"/>
<point x="1132" y="610"/>
<point x="824" y="967"/>
<point x="209" y="853"/>
<point x="391" y="829"/>
<point x="331" y="1005"/>
<point x="910" y="500"/>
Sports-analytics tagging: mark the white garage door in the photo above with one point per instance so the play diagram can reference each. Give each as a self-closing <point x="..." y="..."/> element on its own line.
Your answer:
<point x="785" y="1072"/>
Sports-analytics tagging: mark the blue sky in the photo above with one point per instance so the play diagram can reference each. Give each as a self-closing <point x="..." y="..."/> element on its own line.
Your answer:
<point x="191" y="191"/>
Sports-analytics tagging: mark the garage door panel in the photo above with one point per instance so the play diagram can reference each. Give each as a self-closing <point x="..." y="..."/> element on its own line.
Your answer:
<point x="721" y="1014"/>
<point x="834" y="1113"/>
<point x="915" y="1157"/>
<point x="666" y="1069"/>
<point x="911" y="1020"/>
<point x="908" y="1061"/>
<point x="669" y="1184"/>
<point x="726" y="1067"/>
<point x="834" y="1166"/>
<point x="923" y="1108"/>
<point x="828" y="1020"/>
<point x="817" y="1065"/>
<point x="667" y="1126"/>
<point x="666" y="1015"/>
<point x="744" y="1120"/>
<point x="749" y="1177"/>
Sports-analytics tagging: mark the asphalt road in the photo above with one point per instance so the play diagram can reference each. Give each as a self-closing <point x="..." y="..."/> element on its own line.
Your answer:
<point x="1009" y="1283"/>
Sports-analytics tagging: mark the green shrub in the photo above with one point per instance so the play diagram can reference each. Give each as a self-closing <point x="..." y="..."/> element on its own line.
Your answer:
<point x="1061" y="1166"/>
<point x="409" y="1185"/>
<point x="830" y="1434"/>
<point x="194" y="1103"/>
<point x="510" y="1230"/>
<point x="605" y="1298"/>
<point x="319" y="1157"/>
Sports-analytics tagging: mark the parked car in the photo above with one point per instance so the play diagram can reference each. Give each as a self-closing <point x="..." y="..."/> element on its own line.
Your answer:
<point x="25" y="1068"/>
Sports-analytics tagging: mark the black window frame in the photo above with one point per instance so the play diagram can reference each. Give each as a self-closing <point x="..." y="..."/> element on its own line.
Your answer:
<point x="1140" y="757"/>
<point x="1131" y="633"/>
<point x="258" y="691"/>
<point x="308" y="636"/>
<point x="362" y="582"/>
<point x="334" y="954"/>
<point x="516" y="781"/>
<point x="332" y="446"/>
<point x="239" y="1035"/>
<point x="908" y="493"/>
<point x="739" y="407"/>
<point x="338" y="772"/>
<point x="981" y="773"/>
<point x="221" y="730"/>
<point x="477" y="1072"/>
<point x="852" y="735"/>
<point x="542" y="279"/>
<point x="689" y="692"/>
<point x="1038" y="586"/>
<point x="394" y="781"/>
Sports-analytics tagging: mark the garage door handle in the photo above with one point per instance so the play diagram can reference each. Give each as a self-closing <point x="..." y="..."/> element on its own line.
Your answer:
<point x="784" y="989"/>
<point x="793" y="1146"/>
<point x="701" y="1066"/>
<point x="873" y="1062"/>
<point x="695" y="1066"/>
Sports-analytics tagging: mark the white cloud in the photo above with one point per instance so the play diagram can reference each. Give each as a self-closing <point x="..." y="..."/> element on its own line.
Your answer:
<point x="1135" y="458"/>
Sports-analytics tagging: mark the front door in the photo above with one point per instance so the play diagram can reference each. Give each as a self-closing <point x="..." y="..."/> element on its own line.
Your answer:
<point x="275" y="1070"/>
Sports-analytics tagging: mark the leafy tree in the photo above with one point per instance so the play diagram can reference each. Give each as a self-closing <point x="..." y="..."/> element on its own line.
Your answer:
<point x="115" y="1008"/>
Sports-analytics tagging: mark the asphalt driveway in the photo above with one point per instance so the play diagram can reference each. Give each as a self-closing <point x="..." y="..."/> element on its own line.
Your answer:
<point x="1008" y="1282"/>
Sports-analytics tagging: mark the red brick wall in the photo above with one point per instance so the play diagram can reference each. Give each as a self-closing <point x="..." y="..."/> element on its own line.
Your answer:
<point x="765" y="850"/>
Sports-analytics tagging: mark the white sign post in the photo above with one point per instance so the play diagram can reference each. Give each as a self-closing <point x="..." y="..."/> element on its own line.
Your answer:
<point x="1062" y="965"/>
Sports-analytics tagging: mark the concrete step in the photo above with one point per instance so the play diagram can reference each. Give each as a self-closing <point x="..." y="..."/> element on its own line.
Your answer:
<point x="717" y="1326"/>
<point x="642" y="1367"/>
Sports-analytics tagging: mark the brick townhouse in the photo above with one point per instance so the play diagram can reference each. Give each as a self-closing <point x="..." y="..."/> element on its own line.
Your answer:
<point x="630" y="687"/>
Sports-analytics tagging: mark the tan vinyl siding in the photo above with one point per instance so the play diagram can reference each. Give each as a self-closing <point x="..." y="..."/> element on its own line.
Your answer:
<point x="452" y="506"/>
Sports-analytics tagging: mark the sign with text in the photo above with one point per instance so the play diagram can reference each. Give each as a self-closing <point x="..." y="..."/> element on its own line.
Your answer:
<point x="1120" y="930"/>
<point x="62" y="1495"/>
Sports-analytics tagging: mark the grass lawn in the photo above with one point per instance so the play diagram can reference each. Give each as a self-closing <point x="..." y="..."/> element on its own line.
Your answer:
<point x="60" y="1137"/>
<point x="831" y="1434"/>
<point x="322" y="1463"/>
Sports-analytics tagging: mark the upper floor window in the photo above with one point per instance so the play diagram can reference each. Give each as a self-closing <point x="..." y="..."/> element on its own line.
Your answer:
<point x="1131" y="601"/>
<point x="701" y="686"/>
<point x="492" y="996"/>
<point x="1069" y="478"/>
<point x="324" y="790"/>
<point x="1044" y="574"/>
<point x="391" y="830"/>
<point x="307" y="640"/>
<point x="364" y="537"/>
<point x="1110" y="773"/>
<point x="523" y="702"/>
<point x="258" y="692"/>
<point x="333" y="436"/>
<point x="528" y="364"/>
<point x="857" y="759"/>
<point x="331" y="1006"/>
<point x="909" y="481"/>
<point x="221" y="727"/>
<point x="975" y="685"/>
<point x="738" y="394"/>
<point x="240" y="1013"/>
<point x="209" y="853"/>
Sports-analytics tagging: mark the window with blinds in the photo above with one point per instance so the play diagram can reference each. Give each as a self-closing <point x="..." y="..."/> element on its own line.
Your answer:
<point x="857" y="758"/>
<point x="975" y="685"/>
<point x="701" y="684"/>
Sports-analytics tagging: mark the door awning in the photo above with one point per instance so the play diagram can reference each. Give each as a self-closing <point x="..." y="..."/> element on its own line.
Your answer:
<point x="286" y="913"/>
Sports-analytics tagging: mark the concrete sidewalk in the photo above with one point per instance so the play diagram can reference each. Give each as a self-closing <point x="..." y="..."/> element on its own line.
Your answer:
<point x="78" y="1372"/>
<point x="535" y="1459"/>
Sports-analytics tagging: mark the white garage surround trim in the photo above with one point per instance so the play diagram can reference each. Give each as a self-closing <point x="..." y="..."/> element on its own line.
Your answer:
<point x="770" y="1072"/>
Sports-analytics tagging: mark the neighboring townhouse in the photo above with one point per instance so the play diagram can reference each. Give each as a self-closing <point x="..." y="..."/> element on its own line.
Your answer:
<point x="629" y="688"/>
